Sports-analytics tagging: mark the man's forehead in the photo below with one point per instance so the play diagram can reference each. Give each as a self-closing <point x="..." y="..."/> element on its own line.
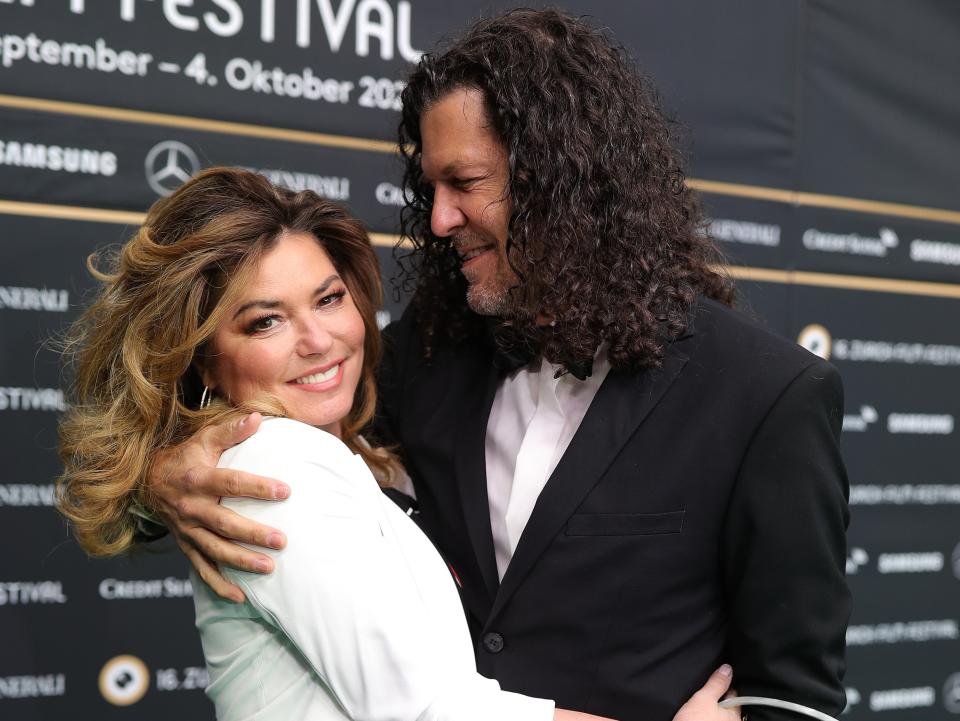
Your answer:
<point x="456" y="135"/>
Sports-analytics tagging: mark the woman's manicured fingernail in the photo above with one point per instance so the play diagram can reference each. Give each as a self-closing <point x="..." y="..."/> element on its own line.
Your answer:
<point x="281" y="491"/>
<point x="262" y="565"/>
<point x="275" y="540"/>
<point x="725" y="670"/>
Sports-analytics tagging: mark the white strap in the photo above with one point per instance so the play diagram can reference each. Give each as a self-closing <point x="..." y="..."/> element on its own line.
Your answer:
<point x="776" y="703"/>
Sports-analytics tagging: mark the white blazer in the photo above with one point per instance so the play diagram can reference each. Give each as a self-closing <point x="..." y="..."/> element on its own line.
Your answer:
<point x="360" y="619"/>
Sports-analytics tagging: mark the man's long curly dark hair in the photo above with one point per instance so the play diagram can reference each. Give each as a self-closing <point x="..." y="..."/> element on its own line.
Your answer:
<point x="605" y="236"/>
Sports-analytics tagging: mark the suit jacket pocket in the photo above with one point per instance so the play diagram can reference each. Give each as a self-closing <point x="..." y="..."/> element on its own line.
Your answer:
<point x="624" y="524"/>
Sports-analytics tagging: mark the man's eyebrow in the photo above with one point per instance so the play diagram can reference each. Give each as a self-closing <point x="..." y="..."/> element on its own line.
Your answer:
<point x="452" y="168"/>
<point x="270" y="304"/>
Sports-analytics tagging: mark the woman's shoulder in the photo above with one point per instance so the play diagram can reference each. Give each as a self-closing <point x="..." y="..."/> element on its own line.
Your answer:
<point x="325" y="477"/>
<point x="288" y="441"/>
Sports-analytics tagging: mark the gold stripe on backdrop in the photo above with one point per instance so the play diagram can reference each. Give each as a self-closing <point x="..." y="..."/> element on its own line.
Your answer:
<point x="821" y="200"/>
<point x="184" y="122"/>
<point x="123" y="217"/>
<point x="845" y="282"/>
<point x="388" y="240"/>
<point x="70" y="212"/>
<point x="714" y="187"/>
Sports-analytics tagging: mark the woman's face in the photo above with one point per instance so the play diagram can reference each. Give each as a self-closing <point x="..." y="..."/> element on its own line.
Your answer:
<point x="294" y="334"/>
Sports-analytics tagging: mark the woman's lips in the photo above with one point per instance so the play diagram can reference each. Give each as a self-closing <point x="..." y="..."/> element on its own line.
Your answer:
<point x="321" y="381"/>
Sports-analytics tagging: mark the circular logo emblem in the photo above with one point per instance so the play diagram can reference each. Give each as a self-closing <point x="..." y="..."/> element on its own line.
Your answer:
<point x="816" y="339"/>
<point x="169" y="165"/>
<point x="889" y="238"/>
<point x="951" y="693"/>
<point x="124" y="680"/>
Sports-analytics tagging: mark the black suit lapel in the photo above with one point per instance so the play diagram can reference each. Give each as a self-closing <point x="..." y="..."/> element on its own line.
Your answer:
<point x="619" y="407"/>
<point x="471" y="468"/>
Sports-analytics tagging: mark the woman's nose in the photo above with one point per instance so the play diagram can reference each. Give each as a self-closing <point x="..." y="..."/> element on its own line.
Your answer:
<point x="315" y="337"/>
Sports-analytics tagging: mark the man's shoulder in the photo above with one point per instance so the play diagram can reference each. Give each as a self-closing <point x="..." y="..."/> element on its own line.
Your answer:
<point x="730" y="338"/>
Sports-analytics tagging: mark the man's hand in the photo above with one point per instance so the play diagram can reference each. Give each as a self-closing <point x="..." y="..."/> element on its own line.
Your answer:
<point x="187" y="487"/>
<point x="702" y="706"/>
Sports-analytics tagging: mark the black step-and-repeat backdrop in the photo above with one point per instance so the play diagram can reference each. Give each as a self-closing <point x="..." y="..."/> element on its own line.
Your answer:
<point x="823" y="135"/>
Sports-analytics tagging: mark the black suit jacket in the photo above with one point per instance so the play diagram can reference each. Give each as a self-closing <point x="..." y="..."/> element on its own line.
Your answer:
<point x="698" y="516"/>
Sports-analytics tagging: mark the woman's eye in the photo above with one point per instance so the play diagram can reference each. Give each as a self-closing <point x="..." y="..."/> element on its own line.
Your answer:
<point x="263" y="323"/>
<point x="331" y="298"/>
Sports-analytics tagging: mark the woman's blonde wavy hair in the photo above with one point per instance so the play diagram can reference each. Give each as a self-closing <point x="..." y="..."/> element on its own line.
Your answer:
<point x="132" y="352"/>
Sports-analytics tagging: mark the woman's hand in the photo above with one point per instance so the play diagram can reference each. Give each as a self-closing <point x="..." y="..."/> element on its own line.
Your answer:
<point x="186" y="487"/>
<point x="702" y="706"/>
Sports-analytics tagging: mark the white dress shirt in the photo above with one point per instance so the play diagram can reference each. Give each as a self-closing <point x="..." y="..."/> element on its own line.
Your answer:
<point x="360" y="619"/>
<point x="533" y="419"/>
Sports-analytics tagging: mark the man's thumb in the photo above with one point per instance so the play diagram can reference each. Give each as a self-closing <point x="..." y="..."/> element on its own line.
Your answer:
<point x="227" y="435"/>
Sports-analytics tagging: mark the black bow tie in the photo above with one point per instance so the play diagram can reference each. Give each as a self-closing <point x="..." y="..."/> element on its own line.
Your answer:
<point x="512" y="352"/>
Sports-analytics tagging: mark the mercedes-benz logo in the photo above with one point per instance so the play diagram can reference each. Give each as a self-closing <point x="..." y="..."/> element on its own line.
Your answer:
<point x="951" y="693"/>
<point x="170" y="164"/>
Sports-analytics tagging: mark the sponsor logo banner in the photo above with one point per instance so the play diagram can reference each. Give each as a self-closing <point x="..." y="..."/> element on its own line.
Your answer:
<point x="744" y="231"/>
<point x="904" y="494"/>
<point x="114" y="589"/>
<point x="851" y="243"/>
<point x="900" y="698"/>
<point x="26" y="494"/>
<point x="819" y="341"/>
<point x="57" y="158"/>
<point x="24" y="593"/>
<point x="253" y="62"/>
<point x="918" y="562"/>
<point x="932" y="251"/>
<point x="53" y="684"/>
<point x="899" y="423"/>
<point x="31" y="399"/>
<point x="903" y="632"/>
<point x="47" y="299"/>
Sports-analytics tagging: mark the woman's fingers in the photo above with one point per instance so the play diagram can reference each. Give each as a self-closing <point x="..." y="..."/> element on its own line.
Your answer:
<point x="703" y="705"/>
<point x="719" y="683"/>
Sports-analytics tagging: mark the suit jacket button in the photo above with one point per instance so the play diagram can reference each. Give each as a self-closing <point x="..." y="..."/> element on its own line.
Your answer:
<point x="493" y="642"/>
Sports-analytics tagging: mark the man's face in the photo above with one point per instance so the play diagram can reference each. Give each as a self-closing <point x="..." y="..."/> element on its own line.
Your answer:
<point x="467" y="165"/>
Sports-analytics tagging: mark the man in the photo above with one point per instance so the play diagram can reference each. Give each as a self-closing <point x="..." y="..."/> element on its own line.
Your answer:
<point x="631" y="481"/>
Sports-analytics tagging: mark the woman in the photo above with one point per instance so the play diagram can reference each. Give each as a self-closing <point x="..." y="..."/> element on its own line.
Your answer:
<point x="235" y="296"/>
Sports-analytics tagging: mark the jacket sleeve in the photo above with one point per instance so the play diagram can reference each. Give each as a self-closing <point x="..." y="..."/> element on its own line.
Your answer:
<point x="397" y="337"/>
<point x="785" y="552"/>
<point x="346" y="597"/>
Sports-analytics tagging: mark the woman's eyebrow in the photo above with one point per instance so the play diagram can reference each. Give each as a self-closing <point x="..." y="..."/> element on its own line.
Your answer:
<point x="270" y="304"/>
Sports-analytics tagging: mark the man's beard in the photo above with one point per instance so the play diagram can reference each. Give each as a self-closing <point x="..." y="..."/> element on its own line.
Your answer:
<point x="489" y="293"/>
<point x="484" y="300"/>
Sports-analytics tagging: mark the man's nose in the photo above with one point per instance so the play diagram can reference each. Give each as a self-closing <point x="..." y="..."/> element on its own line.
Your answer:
<point x="446" y="217"/>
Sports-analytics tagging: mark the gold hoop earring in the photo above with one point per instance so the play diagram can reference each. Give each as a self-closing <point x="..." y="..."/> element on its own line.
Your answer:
<point x="206" y="398"/>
